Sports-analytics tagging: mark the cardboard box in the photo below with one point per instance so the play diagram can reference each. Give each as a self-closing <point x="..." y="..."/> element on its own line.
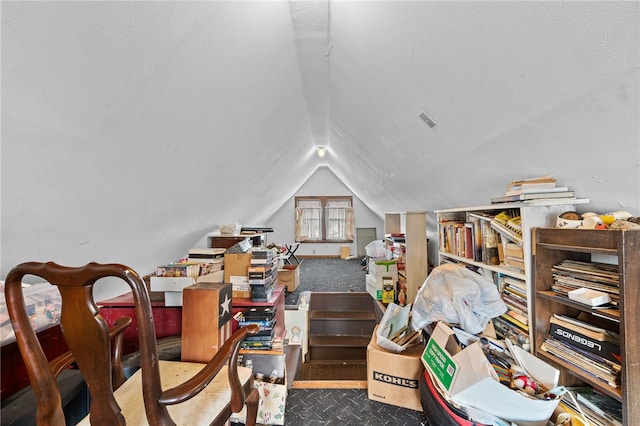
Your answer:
<point x="468" y="378"/>
<point x="289" y="276"/>
<point x="382" y="267"/>
<point x="236" y="264"/>
<point x="206" y="320"/>
<point x="393" y="378"/>
<point x="345" y="252"/>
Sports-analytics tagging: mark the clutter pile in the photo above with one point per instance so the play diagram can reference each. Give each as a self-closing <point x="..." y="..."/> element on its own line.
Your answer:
<point x="614" y="220"/>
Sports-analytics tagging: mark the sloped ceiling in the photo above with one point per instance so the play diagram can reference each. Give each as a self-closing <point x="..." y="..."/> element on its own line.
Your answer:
<point x="130" y="129"/>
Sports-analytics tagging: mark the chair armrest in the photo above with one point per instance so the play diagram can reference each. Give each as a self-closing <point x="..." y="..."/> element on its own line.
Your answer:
<point x="228" y="351"/>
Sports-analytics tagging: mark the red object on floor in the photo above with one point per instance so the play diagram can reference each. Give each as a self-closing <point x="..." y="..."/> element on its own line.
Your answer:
<point x="437" y="410"/>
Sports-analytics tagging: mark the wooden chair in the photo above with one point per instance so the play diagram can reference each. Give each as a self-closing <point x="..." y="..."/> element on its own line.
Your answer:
<point x="160" y="393"/>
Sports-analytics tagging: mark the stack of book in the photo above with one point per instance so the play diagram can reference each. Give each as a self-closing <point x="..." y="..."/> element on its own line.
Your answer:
<point x="514" y="324"/>
<point x="592" y="350"/>
<point x="179" y="269"/>
<point x="264" y="317"/>
<point x="514" y="256"/>
<point x="541" y="187"/>
<point x="464" y="237"/>
<point x="262" y="274"/>
<point x="598" y="408"/>
<point x="571" y="275"/>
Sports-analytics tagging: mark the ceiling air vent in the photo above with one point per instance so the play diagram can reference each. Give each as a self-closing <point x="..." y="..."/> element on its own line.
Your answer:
<point x="427" y="119"/>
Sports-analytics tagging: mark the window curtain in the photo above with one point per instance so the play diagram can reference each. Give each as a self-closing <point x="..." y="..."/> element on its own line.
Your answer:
<point x="308" y="221"/>
<point x="339" y="223"/>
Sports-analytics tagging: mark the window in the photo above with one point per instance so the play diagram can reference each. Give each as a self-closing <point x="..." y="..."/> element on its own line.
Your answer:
<point x="324" y="219"/>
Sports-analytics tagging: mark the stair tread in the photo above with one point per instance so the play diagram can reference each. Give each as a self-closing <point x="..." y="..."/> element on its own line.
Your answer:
<point x="342" y="315"/>
<point x="347" y="340"/>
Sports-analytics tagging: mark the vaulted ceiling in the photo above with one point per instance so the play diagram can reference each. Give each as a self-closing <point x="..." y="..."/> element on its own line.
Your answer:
<point x="128" y="127"/>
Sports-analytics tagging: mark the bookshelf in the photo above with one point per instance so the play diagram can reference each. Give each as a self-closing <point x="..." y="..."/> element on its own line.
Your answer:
<point x="539" y="213"/>
<point x="276" y="301"/>
<point x="552" y="246"/>
<point x="412" y="253"/>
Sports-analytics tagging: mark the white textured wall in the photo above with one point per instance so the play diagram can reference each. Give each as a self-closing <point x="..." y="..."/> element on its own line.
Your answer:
<point x="131" y="129"/>
<point x="322" y="182"/>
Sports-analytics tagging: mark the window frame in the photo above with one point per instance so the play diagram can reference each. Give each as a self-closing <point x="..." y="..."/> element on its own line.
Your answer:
<point x="324" y="200"/>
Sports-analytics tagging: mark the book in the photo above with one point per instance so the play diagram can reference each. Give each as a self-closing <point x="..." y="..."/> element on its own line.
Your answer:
<point x="585" y="340"/>
<point x="600" y="403"/>
<point x="515" y="262"/>
<point x="518" y="315"/>
<point x="599" y="371"/>
<point x="514" y="250"/>
<point x="546" y="181"/>
<point x="585" y="328"/>
<point x="205" y="253"/>
<point x="468" y="243"/>
<point x="533" y="189"/>
<point x="181" y="269"/>
<point x="259" y="313"/>
<point x="532" y="196"/>
<point x="477" y="240"/>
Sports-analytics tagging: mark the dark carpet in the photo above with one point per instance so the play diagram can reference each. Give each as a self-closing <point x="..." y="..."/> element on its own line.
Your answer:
<point x="328" y="275"/>
<point x="310" y="407"/>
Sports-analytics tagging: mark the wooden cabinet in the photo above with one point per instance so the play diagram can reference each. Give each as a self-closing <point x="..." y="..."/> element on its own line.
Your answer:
<point x="226" y="241"/>
<point x="206" y="320"/>
<point x="410" y="253"/>
<point x="552" y="246"/>
<point x="532" y="214"/>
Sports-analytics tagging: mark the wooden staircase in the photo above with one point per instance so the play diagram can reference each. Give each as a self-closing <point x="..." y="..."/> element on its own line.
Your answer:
<point x="340" y="328"/>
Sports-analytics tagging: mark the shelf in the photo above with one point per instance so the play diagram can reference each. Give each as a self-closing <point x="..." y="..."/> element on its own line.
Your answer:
<point x="610" y="314"/>
<point x="553" y="246"/>
<point x="611" y="391"/>
<point x="453" y="233"/>
<point x="495" y="268"/>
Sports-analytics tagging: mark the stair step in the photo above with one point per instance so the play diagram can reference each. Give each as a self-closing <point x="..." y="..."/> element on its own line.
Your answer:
<point x="355" y="301"/>
<point x="338" y="348"/>
<point x="341" y="327"/>
<point x="342" y="315"/>
<point x="349" y="340"/>
<point x="337" y="353"/>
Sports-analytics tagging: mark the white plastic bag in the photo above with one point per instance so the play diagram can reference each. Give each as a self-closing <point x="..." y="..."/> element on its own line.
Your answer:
<point x="375" y="248"/>
<point x="456" y="295"/>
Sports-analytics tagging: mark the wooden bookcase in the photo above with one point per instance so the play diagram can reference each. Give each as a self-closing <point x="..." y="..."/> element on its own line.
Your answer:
<point x="550" y="247"/>
<point x="541" y="213"/>
<point x="414" y="249"/>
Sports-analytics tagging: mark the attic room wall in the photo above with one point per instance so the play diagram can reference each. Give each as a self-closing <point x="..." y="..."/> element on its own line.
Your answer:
<point x="517" y="89"/>
<point x="131" y="129"/>
<point x="321" y="183"/>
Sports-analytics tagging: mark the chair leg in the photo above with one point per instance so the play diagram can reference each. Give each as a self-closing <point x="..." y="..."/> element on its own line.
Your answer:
<point x="252" y="407"/>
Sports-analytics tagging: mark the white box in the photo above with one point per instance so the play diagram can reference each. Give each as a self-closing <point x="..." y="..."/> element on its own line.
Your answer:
<point x="382" y="267"/>
<point x="589" y="297"/>
<point x="170" y="283"/>
<point x="173" y="298"/>
<point x="468" y="378"/>
<point x="374" y="288"/>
